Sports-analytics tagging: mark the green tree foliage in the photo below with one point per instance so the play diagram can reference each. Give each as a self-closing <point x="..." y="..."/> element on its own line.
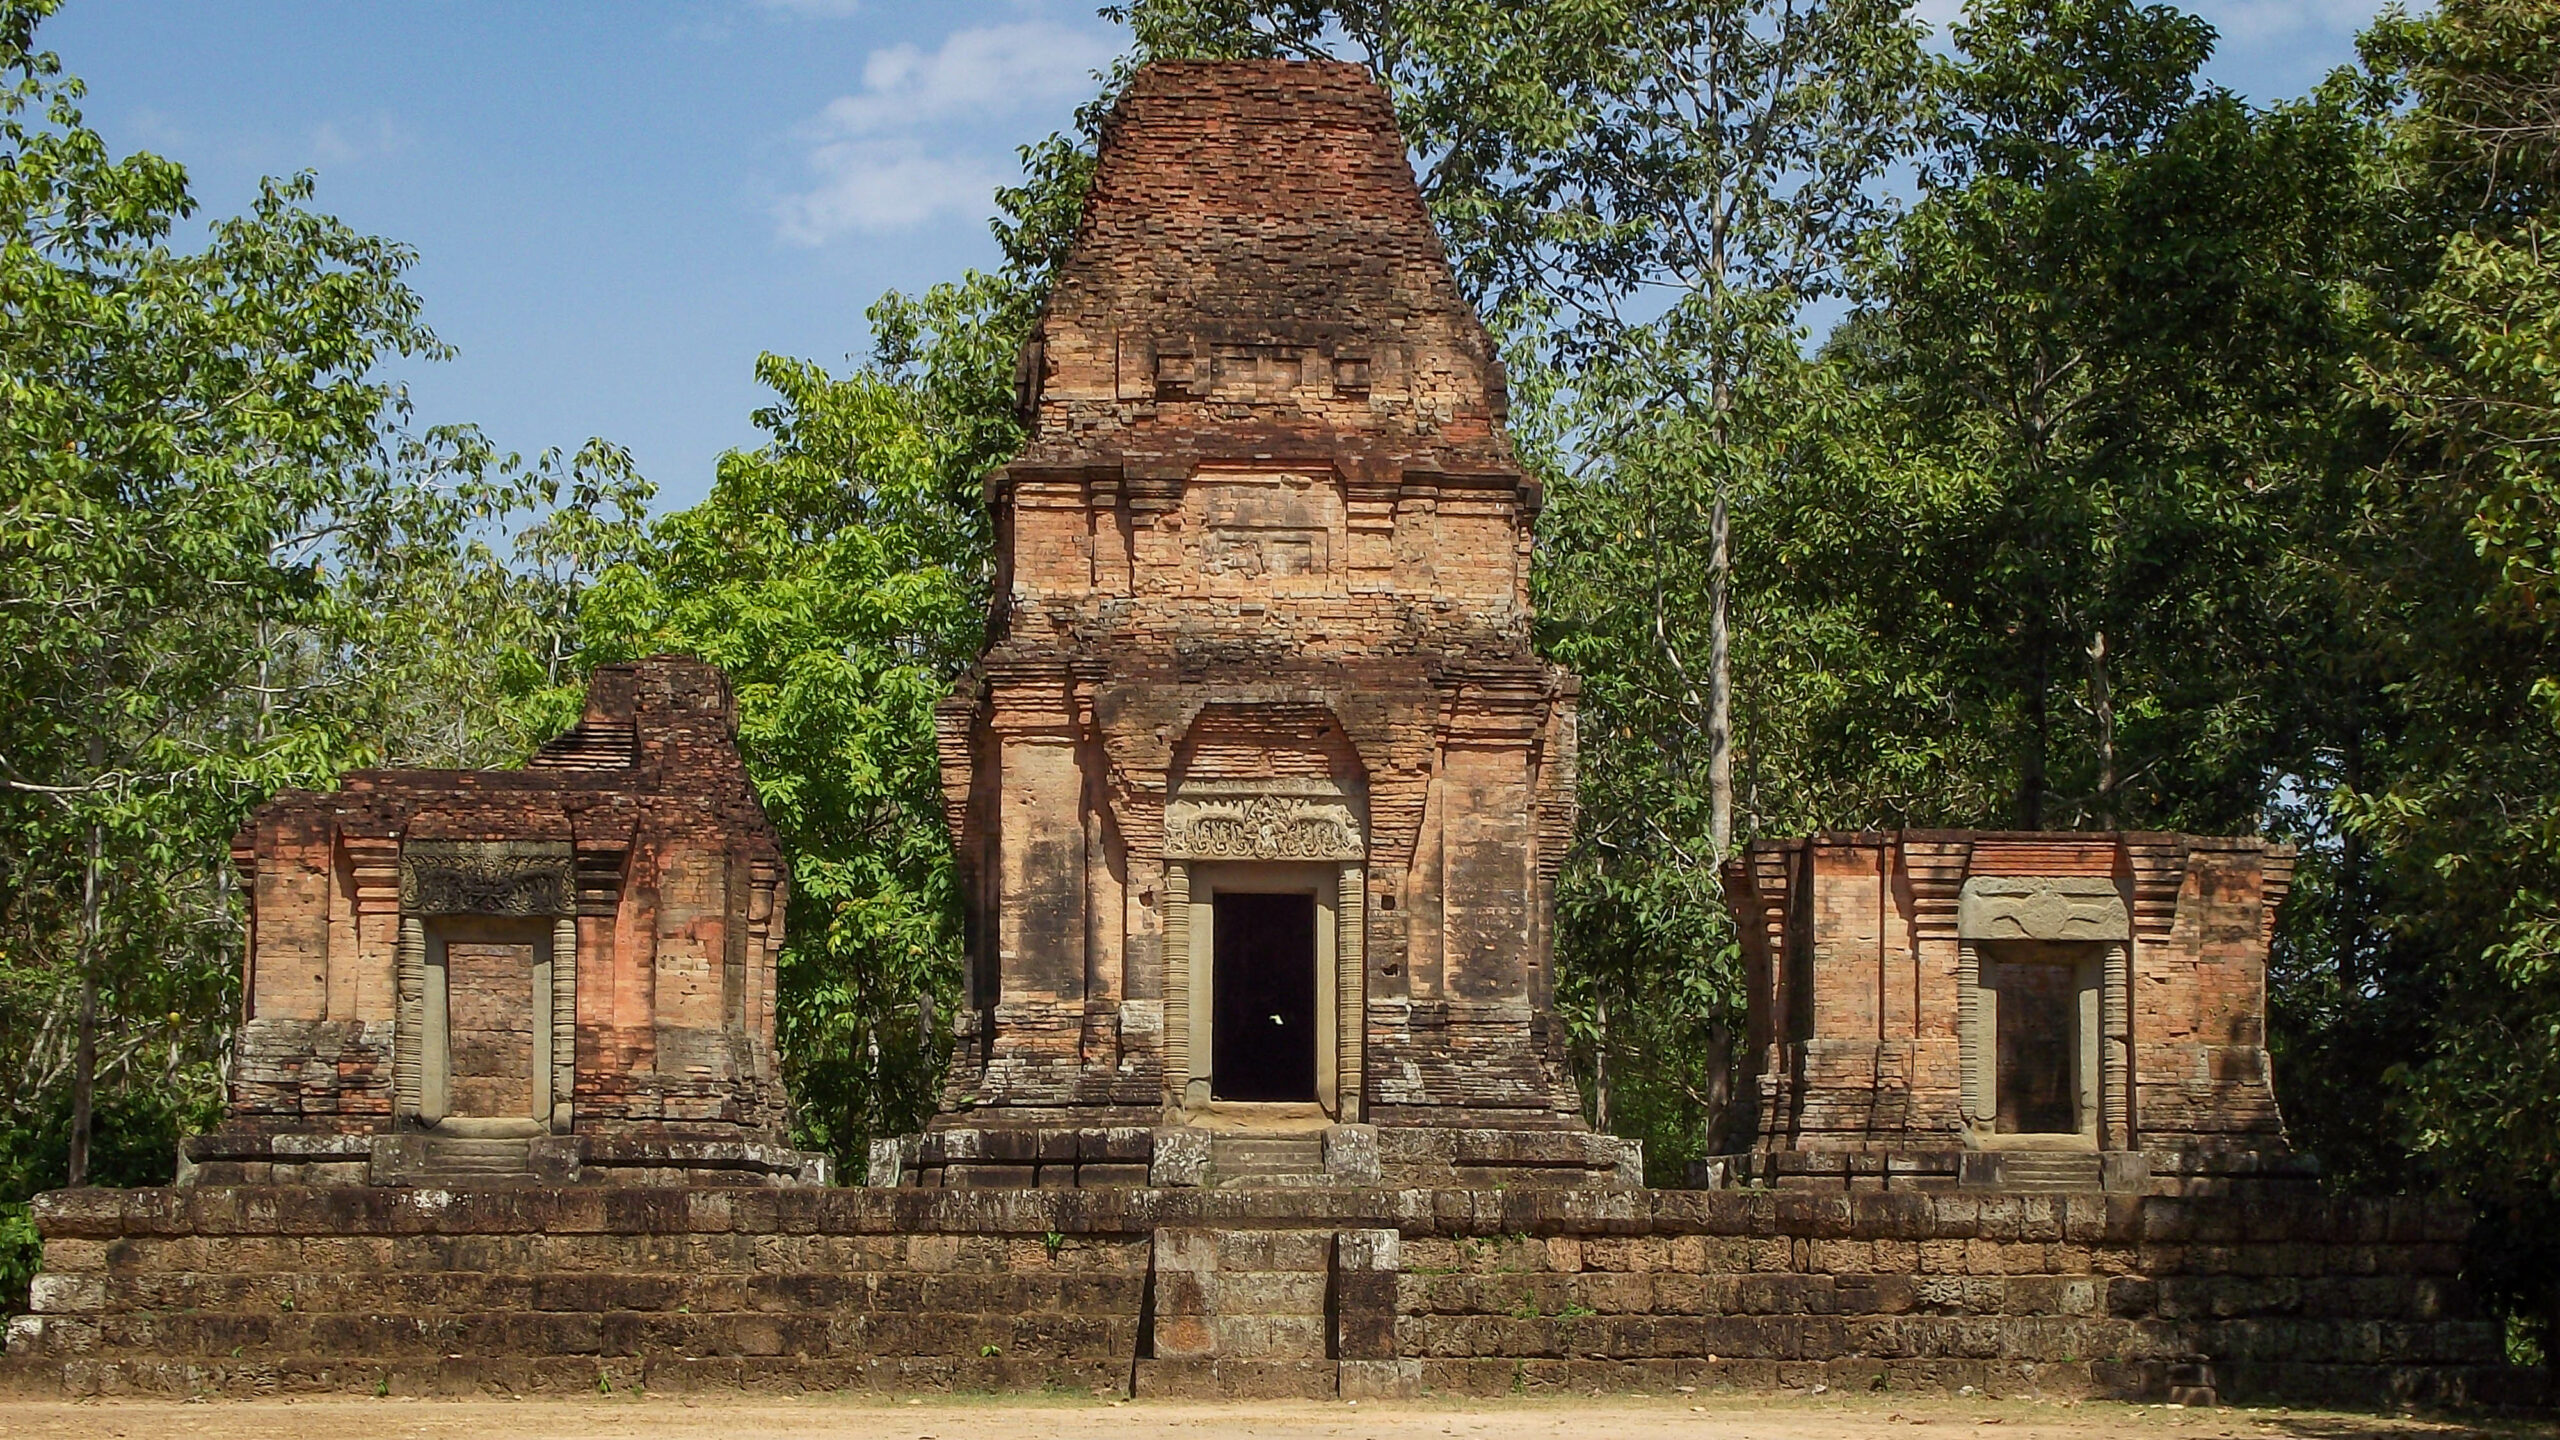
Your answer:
<point x="838" y="574"/>
<point x="2094" y="374"/>
<point x="225" y="566"/>
<point x="2435" y="956"/>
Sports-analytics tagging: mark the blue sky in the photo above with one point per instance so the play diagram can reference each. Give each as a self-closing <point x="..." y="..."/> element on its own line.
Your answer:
<point x="619" y="203"/>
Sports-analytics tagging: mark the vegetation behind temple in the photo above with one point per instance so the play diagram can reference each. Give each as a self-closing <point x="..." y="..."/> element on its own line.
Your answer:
<point x="2179" y="463"/>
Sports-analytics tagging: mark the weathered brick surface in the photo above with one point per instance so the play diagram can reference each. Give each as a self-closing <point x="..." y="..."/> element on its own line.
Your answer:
<point x="637" y="833"/>
<point x="1264" y="561"/>
<point x="2253" y="1294"/>
<point x="1855" y="966"/>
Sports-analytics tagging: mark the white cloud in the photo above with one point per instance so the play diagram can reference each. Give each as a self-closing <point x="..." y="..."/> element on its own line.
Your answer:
<point x="874" y="153"/>
<point x="347" y="142"/>
<point x="993" y="67"/>
<point x="873" y="186"/>
<point x="2256" y="22"/>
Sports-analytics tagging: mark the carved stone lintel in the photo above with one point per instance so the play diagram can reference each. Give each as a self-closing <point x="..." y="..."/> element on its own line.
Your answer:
<point x="1261" y="827"/>
<point x="2042" y="908"/>
<point x="487" y="877"/>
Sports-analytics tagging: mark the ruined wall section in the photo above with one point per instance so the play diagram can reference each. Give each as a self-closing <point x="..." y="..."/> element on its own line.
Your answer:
<point x="2272" y="1295"/>
<point x="1267" y="474"/>
<point x="1855" y="968"/>
<point x="1293" y="291"/>
<point x="666" y="870"/>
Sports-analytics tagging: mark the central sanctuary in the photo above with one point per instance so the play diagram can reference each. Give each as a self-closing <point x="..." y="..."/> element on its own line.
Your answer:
<point x="1259" y="788"/>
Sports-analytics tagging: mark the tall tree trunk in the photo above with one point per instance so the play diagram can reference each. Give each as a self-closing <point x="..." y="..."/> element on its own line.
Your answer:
<point x="1719" y="679"/>
<point x="2351" y="866"/>
<point x="84" y="1055"/>
<point x="2031" y="765"/>
<point x="1600" y="1068"/>
<point x="2102" y="704"/>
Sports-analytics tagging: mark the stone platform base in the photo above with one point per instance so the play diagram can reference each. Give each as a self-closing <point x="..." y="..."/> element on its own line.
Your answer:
<point x="415" y="1158"/>
<point x="1028" y="1156"/>
<point x="2018" y="1171"/>
<point x="1245" y="1292"/>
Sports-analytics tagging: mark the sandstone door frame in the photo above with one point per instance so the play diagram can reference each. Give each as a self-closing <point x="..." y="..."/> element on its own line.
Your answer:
<point x="1192" y="888"/>
<point x="540" y="940"/>
<point x="527" y="887"/>
<point x="2085" y="964"/>
<point x="1270" y="835"/>
<point x="1321" y="883"/>
<point x="2087" y="911"/>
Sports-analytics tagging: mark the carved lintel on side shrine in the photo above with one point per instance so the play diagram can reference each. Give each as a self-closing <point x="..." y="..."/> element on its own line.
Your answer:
<point x="487" y="877"/>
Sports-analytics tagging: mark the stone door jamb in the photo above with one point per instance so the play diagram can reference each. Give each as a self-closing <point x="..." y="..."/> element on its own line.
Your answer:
<point x="1282" y="836"/>
<point x="2064" y="908"/>
<point x="493" y="879"/>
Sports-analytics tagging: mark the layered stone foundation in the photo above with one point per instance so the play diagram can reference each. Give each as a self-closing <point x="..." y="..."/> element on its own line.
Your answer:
<point x="2261" y="1293"/>
<point x="233" y="1158"/>
<point x="1047" y="1157"/>
<point x="2193" y="1173"/>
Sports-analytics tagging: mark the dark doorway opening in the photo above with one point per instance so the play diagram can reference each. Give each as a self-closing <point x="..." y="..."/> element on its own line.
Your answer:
<point x="2038" y="1017"/>
<point x="1263" y="1040"/>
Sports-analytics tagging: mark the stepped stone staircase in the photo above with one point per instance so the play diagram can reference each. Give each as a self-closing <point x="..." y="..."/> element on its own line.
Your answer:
<point x="1252" y="1161"/>
<point x="2049" y="1172"/>
<point x="465" y="1161"/>
<point x="1247" y="1314"/>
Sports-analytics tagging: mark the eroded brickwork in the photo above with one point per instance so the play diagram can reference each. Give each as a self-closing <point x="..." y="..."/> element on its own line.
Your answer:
<point x="2273" y="1294"/>
<point x="1262" y="623"/>
<point x="1876" y="976"/>
<point x="582" y="948"/>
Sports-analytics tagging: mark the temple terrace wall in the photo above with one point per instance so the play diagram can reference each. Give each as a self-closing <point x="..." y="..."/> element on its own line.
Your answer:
<point x="2272" y="1292"/>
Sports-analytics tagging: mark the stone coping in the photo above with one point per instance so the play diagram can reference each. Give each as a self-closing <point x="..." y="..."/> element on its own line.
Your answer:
<point x="2274" y="1215"/>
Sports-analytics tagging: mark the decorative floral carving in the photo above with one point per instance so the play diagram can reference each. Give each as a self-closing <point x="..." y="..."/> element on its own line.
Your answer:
<point x="1261" y="827"/>
<point x="462" y="877"/>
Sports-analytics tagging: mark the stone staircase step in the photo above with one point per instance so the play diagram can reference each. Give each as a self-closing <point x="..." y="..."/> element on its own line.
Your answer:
<point x="1266" y="1159"/>
<point x="461" y="1160"/>
<point x="2035" y="1173"/>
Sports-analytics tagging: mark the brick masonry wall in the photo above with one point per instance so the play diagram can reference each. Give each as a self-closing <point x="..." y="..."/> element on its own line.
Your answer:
<point x="1316" y="1291"/>
<point x="1267" y="534"/>
<point x="670" y="879"/>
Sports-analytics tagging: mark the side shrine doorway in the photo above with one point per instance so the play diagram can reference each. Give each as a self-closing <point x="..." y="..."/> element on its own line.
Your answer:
<point x="2040" y="1004"/>
<point x="488" y="1062"/>
<point x="1265" y="857"/>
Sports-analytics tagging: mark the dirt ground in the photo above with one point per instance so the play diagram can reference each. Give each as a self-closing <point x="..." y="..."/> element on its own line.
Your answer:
<point x="1679" y="1417"/>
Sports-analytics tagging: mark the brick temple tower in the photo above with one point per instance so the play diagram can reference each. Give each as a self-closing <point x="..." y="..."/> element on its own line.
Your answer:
<point x="1259" y="788"/>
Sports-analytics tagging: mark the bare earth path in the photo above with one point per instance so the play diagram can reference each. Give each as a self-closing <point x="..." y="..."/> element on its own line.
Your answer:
<point x="979" y="1418"/>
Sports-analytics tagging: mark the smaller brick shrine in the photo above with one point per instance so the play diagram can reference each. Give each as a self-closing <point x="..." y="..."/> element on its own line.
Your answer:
<point x="2027" y="1010"/>
<point x="562" y="972"/>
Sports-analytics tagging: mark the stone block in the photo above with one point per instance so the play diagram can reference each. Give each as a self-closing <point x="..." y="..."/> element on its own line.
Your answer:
<point x="891" y="1159"/>
<point x="1380" y="1379"/>
<point x="1351" y="1154"/>
<point x="1368" y="1250"/>
<point x="1181" y="1158"/>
